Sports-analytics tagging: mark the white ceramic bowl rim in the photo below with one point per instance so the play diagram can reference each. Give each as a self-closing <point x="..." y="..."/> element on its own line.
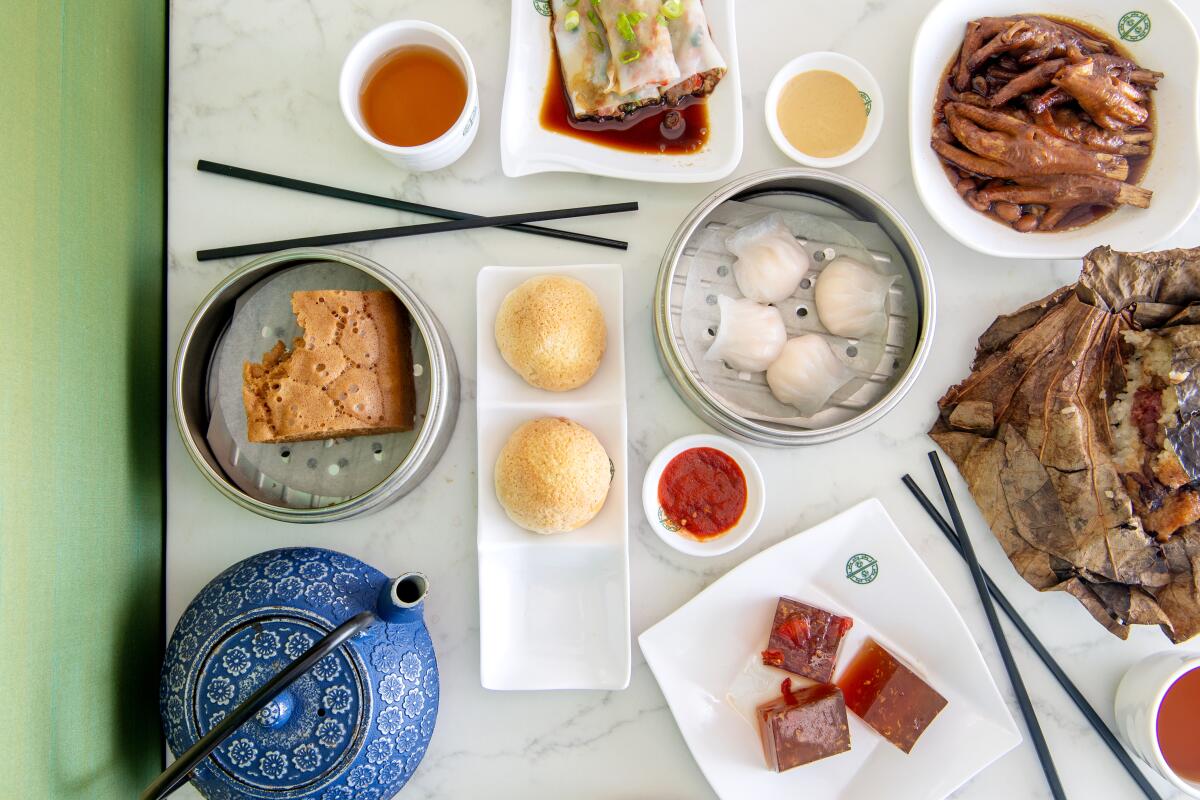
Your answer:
<point x="348" y="93"/>
<point x="1174" y="169"/>
<point x="849" y="69"/>
<point x="755" y="495"/>
<point x="1191" y="787"/>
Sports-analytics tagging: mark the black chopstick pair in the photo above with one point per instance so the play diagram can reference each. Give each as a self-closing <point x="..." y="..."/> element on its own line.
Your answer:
<point x="457" y="220"/>
<point x="987" y="588"/>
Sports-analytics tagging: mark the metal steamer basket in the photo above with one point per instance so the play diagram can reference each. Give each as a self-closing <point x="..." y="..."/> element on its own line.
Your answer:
<point x="691" y="264"/>
<point x="195" y="399"/>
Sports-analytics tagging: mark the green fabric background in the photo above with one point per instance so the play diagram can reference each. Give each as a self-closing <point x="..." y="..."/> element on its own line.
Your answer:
<point x="81" y="177"/>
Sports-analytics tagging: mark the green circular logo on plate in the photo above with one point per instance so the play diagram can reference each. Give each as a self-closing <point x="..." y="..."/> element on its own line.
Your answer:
<point x="1134" y="26"/>
<point x="542" y="7"/>
<point x="667" y="522"/>
<point x="862" y="568"/>
<point x="866" y="98"/>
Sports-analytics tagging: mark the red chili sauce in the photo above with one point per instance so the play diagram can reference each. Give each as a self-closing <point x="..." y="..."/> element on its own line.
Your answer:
<point x="703" y="491"/>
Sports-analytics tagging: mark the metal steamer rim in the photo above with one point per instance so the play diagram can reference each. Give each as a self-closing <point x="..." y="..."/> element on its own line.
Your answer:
<point x="434" y="430"/>
<point x="808" y="184"/>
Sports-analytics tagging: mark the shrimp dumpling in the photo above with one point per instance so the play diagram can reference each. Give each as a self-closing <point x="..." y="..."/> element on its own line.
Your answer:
<point x="852" y="299"/>
<point x="770" y="262"/>
<point x="749" y="337"/>
<point x="807" y="374"/>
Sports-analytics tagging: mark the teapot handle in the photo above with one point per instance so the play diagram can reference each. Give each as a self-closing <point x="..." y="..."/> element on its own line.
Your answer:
<point x="177" y="774"/>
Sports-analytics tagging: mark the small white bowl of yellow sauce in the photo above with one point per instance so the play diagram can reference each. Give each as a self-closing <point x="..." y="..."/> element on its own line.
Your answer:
<point x="824" y="109"/>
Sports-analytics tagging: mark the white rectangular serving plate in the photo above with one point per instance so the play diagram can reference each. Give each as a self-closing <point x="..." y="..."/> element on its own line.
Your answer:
<point x="527" y="148"/>
<point x="553" y="610"/>
<point x="697" y="653"/>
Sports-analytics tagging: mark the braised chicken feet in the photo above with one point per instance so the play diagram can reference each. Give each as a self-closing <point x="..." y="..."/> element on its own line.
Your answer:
<point x="1043" y="125"/>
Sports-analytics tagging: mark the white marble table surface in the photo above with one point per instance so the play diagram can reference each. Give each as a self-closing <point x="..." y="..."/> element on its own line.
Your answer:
<point x="253" y="82"/>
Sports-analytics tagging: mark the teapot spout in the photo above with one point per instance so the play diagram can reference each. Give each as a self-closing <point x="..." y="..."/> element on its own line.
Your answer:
<point x="401" y="599"/>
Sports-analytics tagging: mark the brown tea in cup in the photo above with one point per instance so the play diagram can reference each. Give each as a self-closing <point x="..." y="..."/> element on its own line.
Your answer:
<point x="1176" y="726"/>
<point x="413" y="95"/>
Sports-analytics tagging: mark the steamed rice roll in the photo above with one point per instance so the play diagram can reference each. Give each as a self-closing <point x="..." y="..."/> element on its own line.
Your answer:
<point x="584" y="58"/>
<point x="700" y="64"/>
<point x="639" y="42"/>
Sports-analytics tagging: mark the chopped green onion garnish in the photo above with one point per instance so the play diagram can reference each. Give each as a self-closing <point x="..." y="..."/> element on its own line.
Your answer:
<point x="662" y="20"/>
<point x="625" y="28"/>
<point x="571" y="20"/>
<point x="595" y="20"/>
<point x="596" y="41"/>
<point x="629" y="56"/>
<point x="625" y="23"/>
<point x="596" y="3"/>
<point x="673" y="9"/>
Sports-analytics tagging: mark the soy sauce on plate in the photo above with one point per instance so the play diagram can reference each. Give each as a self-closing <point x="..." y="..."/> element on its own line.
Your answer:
<point x="654" y="129"/>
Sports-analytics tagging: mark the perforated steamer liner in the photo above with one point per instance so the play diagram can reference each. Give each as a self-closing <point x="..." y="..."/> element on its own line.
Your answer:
<point x="890" y="244"/>
<point x="197" y="400"/>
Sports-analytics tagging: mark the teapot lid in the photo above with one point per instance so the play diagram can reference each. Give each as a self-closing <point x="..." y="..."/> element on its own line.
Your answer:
<point x="318" y="737"/>
<point x="307" y="731"/>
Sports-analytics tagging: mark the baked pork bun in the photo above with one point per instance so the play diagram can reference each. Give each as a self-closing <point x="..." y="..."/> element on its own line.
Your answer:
<point x="552" y="475"/>
<point x="551" y="331"/>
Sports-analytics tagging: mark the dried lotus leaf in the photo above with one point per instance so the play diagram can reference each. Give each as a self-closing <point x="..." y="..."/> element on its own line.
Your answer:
<point x="973" y="415"/>
<point x="1086" y="594"/>
<point x="1044" y="472"/>
<point x="1180" y="598"/>
<point x="1114" y="281"/>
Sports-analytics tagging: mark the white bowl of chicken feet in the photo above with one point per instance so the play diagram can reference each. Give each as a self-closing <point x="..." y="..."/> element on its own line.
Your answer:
<point x="1044" y="131"/>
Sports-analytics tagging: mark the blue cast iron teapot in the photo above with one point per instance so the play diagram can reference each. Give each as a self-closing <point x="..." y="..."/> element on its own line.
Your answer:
<point x="299" y="673"/>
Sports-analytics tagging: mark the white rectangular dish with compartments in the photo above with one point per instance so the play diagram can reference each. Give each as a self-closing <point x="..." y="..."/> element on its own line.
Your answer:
<point x="553" y="610"/>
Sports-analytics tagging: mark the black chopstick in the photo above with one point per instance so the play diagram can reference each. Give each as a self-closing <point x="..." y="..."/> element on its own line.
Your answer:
<point x="391" y="202"/>
<point x="1014" y="674"/>
<point x="412" y="230"/>
<point x="1085" y="708"/>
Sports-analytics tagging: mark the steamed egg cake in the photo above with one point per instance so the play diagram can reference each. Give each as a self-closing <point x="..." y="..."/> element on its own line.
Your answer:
<point x="551" y="331"/>
<point x="351" y="374"/>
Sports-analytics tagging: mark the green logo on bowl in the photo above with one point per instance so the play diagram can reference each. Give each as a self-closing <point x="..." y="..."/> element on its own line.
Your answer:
<point x="667" y="522"/>
<point x="862" y="568"/>
<point x="542" y="7"/>
<point x="866" y="98"/>
<point x="1134" y="26"/>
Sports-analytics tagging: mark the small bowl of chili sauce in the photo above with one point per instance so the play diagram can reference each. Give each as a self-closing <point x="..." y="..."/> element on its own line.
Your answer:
<point x="703" y="495"/>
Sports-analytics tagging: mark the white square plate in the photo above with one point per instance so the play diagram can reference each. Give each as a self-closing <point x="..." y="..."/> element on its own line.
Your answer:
<point x="553" y="610"/>
<point x="698" y="653"/>
<point x="1169" y="45"/>
<point x="526" y="147"/>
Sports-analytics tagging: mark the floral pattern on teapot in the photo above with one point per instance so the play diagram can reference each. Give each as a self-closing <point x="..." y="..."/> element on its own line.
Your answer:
<point x="353" y="727"/>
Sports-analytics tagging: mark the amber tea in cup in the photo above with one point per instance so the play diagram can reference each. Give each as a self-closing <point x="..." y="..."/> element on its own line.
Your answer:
<point x="413" y="95"/>
<point x="1176" y="726"/>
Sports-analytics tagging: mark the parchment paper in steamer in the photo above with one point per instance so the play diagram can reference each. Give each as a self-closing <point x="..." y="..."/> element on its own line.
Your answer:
<point x="298" y="474"/>
<point x="710" y="274"/>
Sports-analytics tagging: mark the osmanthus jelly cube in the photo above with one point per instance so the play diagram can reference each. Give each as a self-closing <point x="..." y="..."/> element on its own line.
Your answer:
<point x="803" y="726"/>
<point x="889" y="696"/>
<point x="805" y="640"/>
